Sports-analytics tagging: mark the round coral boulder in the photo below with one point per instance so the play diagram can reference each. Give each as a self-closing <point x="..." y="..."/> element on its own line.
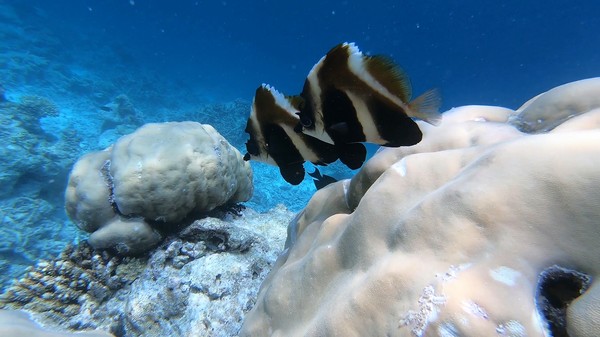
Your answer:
<point x="165" y="171"/>
<point x="162" y="172"/>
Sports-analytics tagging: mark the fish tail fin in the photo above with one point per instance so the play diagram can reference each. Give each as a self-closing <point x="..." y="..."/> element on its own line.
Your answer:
<point x="426" y="107"/>
<point x="316" y="174"/>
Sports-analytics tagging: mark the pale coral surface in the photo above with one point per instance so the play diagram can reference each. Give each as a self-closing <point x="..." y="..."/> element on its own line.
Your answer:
<point x="161" y="173"/>
<point x="472" y="232"/>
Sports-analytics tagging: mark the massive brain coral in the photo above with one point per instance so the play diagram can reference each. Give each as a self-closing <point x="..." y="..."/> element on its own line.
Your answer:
<point x="161" y="173"/>
<point x="479" y="230"/>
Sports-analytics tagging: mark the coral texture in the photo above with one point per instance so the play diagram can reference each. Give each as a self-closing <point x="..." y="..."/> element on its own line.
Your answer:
<point x="564" y="102"/>
<point x="88" y="195"/>
<point x="198" y="282"/>
<point x="479" y="230"/>
<point x="34" y="167"/>
<point x="74" y="283"/>
<point x="31" y="154"/>
<point x="161" y="173"/>
<point x="165" y="171"/>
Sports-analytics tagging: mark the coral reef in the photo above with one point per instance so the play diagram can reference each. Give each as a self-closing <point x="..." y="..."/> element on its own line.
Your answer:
<point x="76" y="282"/>
<point x="31" y="109"/>
<point x="27" y="228"/>
<point x="223" y="117"/>
<point x="34" y="168"/>
<point x="32" y="154"/>
<point x="200" y="281"/>
<point x="160" y="174"/>
<point x="119" y="117"/>
<point x="479" y="230"/>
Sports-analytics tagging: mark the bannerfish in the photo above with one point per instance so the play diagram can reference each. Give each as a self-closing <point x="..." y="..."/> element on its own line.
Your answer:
<point x="321" y="180"/>
<point x="349" y="97"/>
<point x="274" y="141"/>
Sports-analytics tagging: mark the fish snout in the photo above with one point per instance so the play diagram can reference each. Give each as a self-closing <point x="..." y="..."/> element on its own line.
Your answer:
<point x="252" y="148"/>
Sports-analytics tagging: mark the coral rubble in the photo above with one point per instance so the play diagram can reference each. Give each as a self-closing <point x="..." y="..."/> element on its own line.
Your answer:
<point x="200" y="281"/>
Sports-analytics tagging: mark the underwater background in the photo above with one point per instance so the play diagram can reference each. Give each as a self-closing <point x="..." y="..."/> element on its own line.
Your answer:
<point x="77" y="75"/>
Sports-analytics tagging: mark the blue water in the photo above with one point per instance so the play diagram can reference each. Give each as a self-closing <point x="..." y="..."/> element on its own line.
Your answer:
<point x="202" y="60"/>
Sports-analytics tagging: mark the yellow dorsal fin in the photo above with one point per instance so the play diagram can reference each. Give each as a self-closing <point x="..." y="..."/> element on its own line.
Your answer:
<point x="390" y="76"/>
<point x="426" y="107"/>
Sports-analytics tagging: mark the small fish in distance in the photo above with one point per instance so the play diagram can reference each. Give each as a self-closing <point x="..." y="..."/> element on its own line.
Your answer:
<point x="349" y="97"/>
<point x="274" y="141"/>
<point x="321" y="180"/>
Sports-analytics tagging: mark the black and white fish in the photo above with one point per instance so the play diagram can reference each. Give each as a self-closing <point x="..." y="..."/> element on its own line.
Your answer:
<point x="274" y="141"/>
<point x="349" y="97"/>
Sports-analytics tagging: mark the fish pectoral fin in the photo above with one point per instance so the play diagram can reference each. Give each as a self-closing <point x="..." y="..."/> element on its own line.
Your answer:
<point x="426" y="107"/>
<point x="340" y="132"/>
<point x="278" y="142"/>
<point x="352" y="155"/>
<point x="340" y="128"/>
<point x="292" y="173"/>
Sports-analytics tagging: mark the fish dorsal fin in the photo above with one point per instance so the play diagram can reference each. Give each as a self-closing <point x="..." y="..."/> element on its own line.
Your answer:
<point x="389" y="76"/>
<point x="274" y="107"/>
<point x="296" y="101"/>
<point x="426" y="107"/>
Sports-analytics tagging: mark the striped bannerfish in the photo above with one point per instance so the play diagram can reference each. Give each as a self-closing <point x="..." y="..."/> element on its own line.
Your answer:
<point x="348" y="98"/>
<point x="274" y="141"/>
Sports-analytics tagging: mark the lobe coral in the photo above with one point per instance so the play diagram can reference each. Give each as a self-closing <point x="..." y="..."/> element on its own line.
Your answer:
<point x="489" y="226"/>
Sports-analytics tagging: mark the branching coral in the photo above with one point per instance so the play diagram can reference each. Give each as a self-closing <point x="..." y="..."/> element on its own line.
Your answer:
<point x="80" y="279"/>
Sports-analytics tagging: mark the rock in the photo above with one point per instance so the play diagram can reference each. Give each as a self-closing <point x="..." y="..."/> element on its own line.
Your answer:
<point x="200" y="281"/>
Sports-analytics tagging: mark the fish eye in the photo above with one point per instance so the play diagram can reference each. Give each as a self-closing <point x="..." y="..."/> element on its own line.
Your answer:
<point x="306" y="122"/>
